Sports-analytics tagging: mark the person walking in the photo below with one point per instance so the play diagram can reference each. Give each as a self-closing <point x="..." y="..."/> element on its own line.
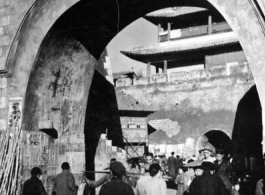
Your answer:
<point x="223" y="168"/>
<point x="141" y="183"/>
<point x="182" y="180"/>
<point x="207" y="183"/>
<point x="116" y="186"/>
<point x="156" y="185"/>
<point x="172" y="165"/>
<point x="178" y="163"/>
<point x="65" y="182"/>
<point x="34" y="186"/>
<point x="132" y="173"/>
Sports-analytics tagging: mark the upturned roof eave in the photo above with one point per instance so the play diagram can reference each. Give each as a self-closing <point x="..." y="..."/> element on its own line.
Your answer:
<point x="184" y="45"/>
<point x="128" y="54"/>
<point x="182" y="11"/>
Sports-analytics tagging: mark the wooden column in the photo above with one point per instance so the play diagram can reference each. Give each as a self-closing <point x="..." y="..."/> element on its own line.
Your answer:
<point x="165" y="67"/>
<point x="168" y="31"/>
<point x="210" y="25"/>
<point x="148" y="72"/>
<point x="159" y="29"/>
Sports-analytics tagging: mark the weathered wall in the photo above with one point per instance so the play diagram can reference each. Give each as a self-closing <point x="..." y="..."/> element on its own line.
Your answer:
<point x="59" y="85"/>
<point x="242" y="16"/>
<point x="57" y="94"/>
<point x="197" y="104"/>
<point x="11" y="14"/>
<point x="68" y="93"/>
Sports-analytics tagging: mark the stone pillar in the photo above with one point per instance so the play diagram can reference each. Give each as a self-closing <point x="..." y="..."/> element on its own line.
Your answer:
<point x="148" y="72"/>
<point x="159" y="29"/>
<point x="210" y="25"/>
<point x="168" y="30"/>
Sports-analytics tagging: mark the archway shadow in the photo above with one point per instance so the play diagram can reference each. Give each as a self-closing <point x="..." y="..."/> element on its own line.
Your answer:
<point x="247" y="130"/>
<point x="101" y="115"/>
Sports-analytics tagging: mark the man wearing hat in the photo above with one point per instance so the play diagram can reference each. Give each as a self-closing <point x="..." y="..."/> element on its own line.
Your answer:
<point x="116" y="186"/>
<point x="172" y="164"/>
<point x="207" y="183"/>
<point x="208" y="150"/>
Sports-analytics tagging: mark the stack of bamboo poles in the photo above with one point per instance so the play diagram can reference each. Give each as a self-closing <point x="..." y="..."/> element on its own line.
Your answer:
<point x="10" y="161"/>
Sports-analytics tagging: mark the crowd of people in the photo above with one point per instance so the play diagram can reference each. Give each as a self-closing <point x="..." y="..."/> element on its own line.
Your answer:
<point x="208" y="174"/>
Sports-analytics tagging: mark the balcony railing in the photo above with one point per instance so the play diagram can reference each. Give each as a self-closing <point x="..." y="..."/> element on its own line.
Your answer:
<point x="194" y="31"/>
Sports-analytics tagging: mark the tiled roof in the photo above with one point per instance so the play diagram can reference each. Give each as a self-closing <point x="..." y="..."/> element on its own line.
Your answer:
<point x="181" y="45"/>
<point x="176" y="11"/>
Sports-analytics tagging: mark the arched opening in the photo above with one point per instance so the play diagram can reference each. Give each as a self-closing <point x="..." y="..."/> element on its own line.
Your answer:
<point x="220" y="140"/>
<point x="83" y="37"/>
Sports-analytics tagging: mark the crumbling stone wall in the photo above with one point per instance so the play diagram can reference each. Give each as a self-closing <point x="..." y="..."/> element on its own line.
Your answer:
<point x="197" y="103"/>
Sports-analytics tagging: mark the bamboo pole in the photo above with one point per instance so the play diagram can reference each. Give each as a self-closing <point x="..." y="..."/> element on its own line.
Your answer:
<point x="10" y="155"/>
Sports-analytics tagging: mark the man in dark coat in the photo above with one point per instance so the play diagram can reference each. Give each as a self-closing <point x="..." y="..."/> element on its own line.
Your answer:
<point x="223" y="168"/>
<point x="34" y="186"/>
<point x="207" y="183"/>
<point x="116" y="186"/>
<point x="65" y="182"/>
<point x="172" y="165"/>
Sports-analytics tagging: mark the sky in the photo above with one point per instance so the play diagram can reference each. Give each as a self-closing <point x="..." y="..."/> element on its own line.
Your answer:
<point x="139" y="33"/>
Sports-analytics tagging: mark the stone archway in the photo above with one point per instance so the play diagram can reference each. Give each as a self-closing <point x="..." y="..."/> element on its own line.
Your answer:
<point x="41" y="18"/>
<point x="251" y="40"/>
<point x="46" y="14"/>
<point x="218" y="138"/>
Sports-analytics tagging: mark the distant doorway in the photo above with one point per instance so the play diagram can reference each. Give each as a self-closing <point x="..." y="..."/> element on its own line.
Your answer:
<point x="220" y="140"/>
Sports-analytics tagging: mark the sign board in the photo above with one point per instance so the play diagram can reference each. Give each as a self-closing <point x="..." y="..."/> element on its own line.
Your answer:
<point x="135" y="151"/>
<point x="134" y="129"/>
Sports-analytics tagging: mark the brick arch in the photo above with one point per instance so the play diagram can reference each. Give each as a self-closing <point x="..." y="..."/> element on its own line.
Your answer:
<point x="219" y="128"/>
<point x="200" y="140"/>
<point x="22" y="53"/>
<point x="242" y="16"/>
<point x="36" y="8"/>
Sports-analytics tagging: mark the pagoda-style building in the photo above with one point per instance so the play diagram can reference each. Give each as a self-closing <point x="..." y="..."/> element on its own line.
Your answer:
<point x="188" y="36"/>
